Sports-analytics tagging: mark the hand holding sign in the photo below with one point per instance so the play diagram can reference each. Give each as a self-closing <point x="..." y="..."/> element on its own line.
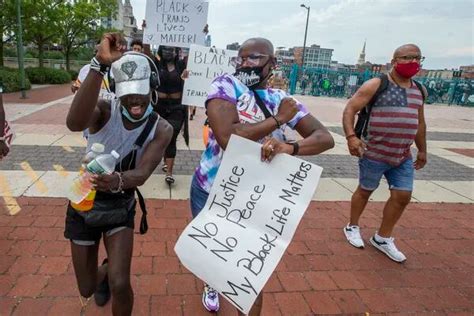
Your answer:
<point x="250" y="217"/>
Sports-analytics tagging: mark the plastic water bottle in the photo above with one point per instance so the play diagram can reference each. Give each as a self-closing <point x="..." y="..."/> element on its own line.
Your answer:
<point x="96" y="150"/>
<point x="82" y="186"/>
<point x="87" y="203"/>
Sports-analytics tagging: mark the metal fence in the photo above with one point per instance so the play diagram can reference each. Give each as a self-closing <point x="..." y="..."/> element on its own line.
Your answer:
<point x="343" y="84"/>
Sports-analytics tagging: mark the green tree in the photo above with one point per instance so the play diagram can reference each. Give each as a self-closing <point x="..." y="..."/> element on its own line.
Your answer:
<point x="7" y="23"/>
<point x="41" y="23"/>
<point x="78" y="22"/>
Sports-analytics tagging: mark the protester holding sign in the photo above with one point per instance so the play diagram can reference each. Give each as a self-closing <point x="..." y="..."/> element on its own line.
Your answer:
<point x="169" y="106"/>
<point x="242" y="104"/>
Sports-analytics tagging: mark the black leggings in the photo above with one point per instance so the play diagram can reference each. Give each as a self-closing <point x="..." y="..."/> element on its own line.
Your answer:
<point x="176" y="117"/>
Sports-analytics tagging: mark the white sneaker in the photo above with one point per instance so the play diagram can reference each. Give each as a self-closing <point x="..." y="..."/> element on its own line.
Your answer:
<point x="387" y="246"/>
<point x="353" y="236"/>
<point x="210" y="299"/>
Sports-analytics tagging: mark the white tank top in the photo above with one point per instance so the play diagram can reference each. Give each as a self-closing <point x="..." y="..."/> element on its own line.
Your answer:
<point x="114" y="136"/>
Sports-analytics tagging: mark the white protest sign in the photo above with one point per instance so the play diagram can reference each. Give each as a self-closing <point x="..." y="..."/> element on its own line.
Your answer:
<point x="205" y="64"/>
<point x="250" y="217"/>
<point x="175" y="23"/>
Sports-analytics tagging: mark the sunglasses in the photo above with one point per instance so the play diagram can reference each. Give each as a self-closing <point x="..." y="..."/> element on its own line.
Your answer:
<point x="252" y="60"/>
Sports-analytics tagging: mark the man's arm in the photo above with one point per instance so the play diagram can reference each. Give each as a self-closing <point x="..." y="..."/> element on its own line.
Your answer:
<point x="316" y="139"/>
<point x="360" y="99"/>
<point x="83" y="112"/>
<point x="420" y="138"/>
<point x="224" y="121"/>
<point x="152" y="156"/>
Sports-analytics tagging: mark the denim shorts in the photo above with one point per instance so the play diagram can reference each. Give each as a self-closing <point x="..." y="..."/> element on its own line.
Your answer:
<point x="198" y="197"/>
<point x="399" y="178"/>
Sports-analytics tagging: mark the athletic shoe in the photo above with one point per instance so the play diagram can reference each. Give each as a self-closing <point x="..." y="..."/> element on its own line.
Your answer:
<point x="353" y="236"/>
<point x="210" y="299"/>
<point x="387" y="246"/>
<point x="102" y="294"/>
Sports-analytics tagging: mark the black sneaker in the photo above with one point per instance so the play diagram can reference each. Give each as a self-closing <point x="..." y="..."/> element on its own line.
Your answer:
<point x="102" y="294"/>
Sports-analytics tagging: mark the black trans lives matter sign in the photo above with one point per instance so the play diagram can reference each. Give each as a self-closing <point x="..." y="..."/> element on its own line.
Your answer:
<point x="175" y="23"/>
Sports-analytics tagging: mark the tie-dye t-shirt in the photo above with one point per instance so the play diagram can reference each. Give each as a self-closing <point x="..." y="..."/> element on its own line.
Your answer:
<point x="229" y="88"/>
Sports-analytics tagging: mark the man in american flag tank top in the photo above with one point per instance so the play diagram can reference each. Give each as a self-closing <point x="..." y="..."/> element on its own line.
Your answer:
<point x="396" y="121"/>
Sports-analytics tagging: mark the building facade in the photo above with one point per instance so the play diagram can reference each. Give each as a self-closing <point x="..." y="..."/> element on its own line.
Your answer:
<point x="114" y="22"/>
<point x="315" y="56"/>
<point x="124" y="21"/>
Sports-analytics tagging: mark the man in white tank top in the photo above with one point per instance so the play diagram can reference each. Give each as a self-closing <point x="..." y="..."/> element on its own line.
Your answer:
<point x="115" y="124"/>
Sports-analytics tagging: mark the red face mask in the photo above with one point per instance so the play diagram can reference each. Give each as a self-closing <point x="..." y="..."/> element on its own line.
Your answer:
<point x="407" y="70"/>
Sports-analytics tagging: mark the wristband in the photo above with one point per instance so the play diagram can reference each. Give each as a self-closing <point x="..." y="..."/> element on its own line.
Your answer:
<point x="120" y="186"/>
<point x="296" y="148"/>
<point x="276" y="120"/>
<point x="98" y="67"/>
<point x="350" y="136"/>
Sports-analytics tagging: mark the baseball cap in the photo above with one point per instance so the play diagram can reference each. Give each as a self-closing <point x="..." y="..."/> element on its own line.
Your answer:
<point x="131" y="74"/>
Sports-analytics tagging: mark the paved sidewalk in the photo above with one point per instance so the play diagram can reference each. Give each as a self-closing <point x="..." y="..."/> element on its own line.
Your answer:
<point x="40" y="95"/>
<point x="320" y="273"/>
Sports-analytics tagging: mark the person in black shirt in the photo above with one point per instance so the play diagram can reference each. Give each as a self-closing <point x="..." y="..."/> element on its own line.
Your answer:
<point x="169" y="104"/>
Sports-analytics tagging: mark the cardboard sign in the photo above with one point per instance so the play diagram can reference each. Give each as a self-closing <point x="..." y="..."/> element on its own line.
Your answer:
<point x="249" y="219"/>
<point x="205" y="64"/>
<point x="175" y="23"/>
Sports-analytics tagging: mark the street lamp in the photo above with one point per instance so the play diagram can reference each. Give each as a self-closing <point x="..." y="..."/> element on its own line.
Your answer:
<point x="305" y="33"/>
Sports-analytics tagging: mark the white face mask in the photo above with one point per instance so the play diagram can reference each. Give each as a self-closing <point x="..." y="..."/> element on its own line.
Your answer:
<point x="127" y="115"/>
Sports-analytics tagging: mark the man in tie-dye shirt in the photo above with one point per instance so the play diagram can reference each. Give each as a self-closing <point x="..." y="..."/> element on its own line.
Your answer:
<point x="232" y="109"/>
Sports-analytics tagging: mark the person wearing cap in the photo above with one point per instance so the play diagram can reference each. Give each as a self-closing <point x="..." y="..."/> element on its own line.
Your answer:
<point x="118" y="124"/>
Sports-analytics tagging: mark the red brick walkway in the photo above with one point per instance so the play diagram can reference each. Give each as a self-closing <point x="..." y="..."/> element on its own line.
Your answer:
<point x="40" y="95"/>
<point x="320" y="274"/>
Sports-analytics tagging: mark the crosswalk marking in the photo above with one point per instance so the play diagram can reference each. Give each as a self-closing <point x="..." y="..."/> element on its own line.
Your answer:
<point x="34" y="176"/>
<point x="60" y="169"/>
<point x="10" y="202"/>
<point x="68" y="149"/>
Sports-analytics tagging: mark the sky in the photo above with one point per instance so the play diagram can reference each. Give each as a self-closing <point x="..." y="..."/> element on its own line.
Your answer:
<point x="443" y="29"/>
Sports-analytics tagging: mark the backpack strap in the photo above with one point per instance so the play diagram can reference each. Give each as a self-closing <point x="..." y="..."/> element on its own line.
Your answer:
<point x="382" y="87"/>
<point x="420" y="87"/>
<point x="261" y="105"/>
<point x="146" y="131"/>
<point x="364" y="114"/>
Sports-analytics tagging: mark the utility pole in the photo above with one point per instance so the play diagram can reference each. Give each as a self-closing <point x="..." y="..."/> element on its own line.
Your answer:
<point x="305" y="34"/>
<point x="19" y="43"/>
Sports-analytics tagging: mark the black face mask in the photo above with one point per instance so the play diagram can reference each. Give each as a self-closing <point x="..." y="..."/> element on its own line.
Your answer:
<point x="168" y="55"/>
<point x="251" y="76"/>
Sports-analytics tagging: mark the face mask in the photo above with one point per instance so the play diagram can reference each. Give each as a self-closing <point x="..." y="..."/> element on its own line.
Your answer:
<point x="407" y="70"/>
<point x="131" y="119"/>
<point x="168" y="55"/>
<point x="251" y="76"/>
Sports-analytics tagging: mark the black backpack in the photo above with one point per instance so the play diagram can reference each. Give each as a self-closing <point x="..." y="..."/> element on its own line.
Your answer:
<point x="364" y="115"/>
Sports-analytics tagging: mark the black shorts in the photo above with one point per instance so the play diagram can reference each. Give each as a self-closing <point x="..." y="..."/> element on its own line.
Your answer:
<point x="77" y="229"/>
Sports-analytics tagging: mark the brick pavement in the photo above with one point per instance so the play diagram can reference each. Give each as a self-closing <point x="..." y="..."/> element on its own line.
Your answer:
<point x="335" y="166"/>
<point x="40" y="95"/>
<point x="319" y="274"/>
